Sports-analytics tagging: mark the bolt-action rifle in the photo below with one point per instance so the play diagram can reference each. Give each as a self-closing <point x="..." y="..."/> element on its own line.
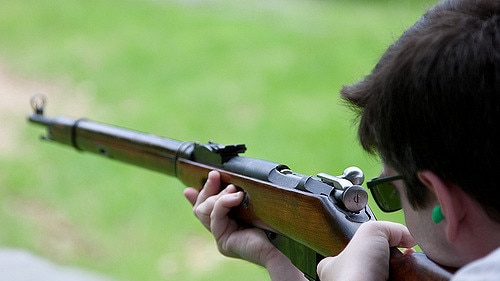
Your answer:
<point x="305" y="217"/>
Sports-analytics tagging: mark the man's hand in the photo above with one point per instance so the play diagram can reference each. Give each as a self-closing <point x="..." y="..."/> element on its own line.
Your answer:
<point x="211" y="206"/>
<point x="366" y="257"/>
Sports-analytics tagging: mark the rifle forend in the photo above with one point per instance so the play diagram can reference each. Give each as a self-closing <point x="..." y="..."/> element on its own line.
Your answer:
<point x="306" y="217"/>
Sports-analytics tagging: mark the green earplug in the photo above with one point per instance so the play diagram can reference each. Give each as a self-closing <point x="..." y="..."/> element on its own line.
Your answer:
<point x="437" y="214"/>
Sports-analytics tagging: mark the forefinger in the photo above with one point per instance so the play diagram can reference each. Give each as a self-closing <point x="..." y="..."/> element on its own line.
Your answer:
<point x="210" y="188"/>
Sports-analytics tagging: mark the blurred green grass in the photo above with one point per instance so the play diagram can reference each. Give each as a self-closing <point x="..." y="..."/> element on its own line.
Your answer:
<point x="264" y="73"/>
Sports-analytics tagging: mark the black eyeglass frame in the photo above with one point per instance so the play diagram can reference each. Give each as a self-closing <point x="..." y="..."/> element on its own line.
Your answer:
<point x="378" y="182"/>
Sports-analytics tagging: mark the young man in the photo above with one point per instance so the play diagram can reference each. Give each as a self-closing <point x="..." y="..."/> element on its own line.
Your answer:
<point x="430" y="109"/>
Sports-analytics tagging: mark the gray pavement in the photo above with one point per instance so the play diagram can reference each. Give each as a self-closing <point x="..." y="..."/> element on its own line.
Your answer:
<point x="21" y="265"/>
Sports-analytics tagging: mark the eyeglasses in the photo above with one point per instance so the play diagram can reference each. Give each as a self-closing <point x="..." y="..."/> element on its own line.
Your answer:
<point x="385" y="194"/>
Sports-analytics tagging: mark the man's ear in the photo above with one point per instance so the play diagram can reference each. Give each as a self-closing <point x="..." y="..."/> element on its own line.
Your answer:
<point x="450" y="198"/>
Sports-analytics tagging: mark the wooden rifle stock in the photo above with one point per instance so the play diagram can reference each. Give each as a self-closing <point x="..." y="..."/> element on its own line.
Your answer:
<point x="306" y="217"/>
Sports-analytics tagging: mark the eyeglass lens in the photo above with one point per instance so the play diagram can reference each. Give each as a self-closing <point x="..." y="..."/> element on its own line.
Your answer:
<point x="386" y="196"/>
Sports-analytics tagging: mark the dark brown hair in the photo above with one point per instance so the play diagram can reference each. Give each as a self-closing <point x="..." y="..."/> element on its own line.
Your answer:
<point x="433" y="101"/>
